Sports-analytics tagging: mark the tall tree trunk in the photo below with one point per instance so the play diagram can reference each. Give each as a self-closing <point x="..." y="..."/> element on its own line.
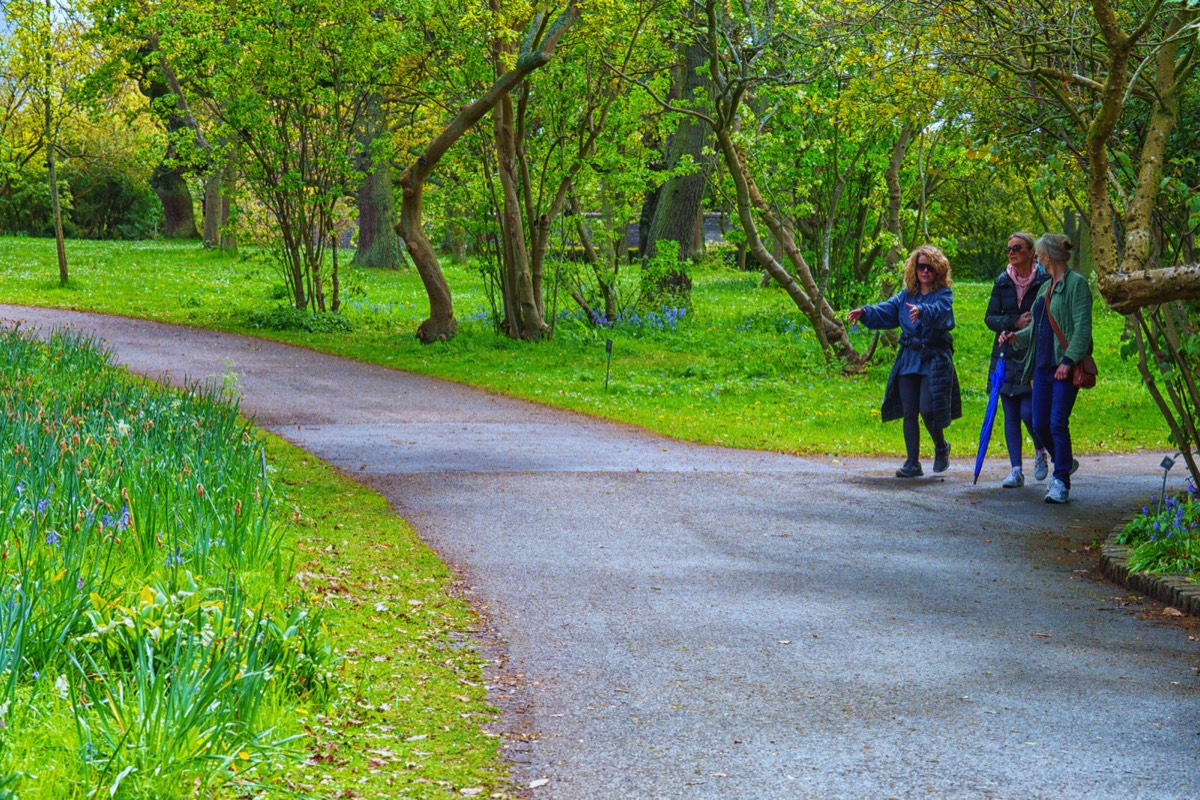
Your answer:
<point x="891" y="175"/>
<point x="211" y="235"/>
<point x="441" y="324"/>
<point x="336" y="279"/>
<point x="525" y="312"/>
<point x="377" y="245"/>
<point x="167" y="180"/>
<point x="51" y="140"/>
<point x="218" y="188"/>
<point x="228" y="189"/>
<point x="60" y="243"/>
<point x="679" y="207"/>
<point x="179" y="212"/>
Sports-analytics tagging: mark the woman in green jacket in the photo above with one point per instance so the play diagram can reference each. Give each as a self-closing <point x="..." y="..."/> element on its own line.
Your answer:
<point x="1049" y="363"/>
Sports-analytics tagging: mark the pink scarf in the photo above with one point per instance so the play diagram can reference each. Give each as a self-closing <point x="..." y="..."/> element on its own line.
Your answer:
<point x="1022" y="284"/>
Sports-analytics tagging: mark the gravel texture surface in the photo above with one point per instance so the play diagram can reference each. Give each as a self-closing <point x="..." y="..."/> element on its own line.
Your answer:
<point x="678" y="621"/>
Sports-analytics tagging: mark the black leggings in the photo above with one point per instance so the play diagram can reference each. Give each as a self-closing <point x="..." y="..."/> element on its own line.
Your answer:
<point x="914" y="397"/>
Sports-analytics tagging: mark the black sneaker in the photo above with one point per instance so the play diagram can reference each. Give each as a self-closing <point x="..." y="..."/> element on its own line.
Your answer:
<point x="911" y="469"/>
<point x="941" y="458"/>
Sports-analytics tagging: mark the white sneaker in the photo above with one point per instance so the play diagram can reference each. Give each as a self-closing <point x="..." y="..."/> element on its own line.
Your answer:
<point x="1015" y="479"/>
<point x="1040" y="466"/>
<point x="1057" y="492"/>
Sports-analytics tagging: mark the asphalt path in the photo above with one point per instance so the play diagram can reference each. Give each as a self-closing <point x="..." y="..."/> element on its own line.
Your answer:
<point x="677" y="621"/>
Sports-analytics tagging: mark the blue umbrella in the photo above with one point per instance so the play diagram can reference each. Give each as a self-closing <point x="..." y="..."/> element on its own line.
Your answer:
<point x="989" y="417"/>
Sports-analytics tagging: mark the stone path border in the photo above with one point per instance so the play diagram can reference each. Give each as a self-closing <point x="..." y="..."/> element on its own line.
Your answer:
<point x="1175" y="589"/>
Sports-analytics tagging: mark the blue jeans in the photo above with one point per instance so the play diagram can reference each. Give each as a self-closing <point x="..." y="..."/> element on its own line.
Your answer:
<point x="1052" y="403"/>
<point x="1017" y="409"/>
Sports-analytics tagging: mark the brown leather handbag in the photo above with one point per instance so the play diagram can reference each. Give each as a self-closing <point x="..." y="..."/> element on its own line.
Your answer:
<point x="1084" y="371"/>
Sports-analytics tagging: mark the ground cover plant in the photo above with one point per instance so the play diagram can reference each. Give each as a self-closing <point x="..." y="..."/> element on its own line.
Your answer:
<point x="139" y="556"/>
<point x="1164" y="537"/>
<point x="738" y="368"/>
<point x="154" y="641"/>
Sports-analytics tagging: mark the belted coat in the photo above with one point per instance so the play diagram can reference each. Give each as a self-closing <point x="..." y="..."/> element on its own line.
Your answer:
<point x="926" y="348"/>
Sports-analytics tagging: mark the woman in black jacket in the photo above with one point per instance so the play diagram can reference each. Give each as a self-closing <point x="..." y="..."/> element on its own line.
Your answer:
<point x="1009" y="310"/>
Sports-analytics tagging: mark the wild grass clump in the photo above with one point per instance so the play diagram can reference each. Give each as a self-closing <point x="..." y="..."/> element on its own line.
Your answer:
<point x="145" y="650"/>
<point x="290" y="318"/>
<point x="1165" y="536"/>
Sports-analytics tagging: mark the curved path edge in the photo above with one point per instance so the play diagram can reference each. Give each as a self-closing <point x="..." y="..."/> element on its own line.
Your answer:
<point x="1175" y="589"/>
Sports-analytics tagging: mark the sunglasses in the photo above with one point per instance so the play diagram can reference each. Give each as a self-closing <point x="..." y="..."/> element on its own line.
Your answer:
<point x="925" y="267"/>
<point x="1014" y="248"/>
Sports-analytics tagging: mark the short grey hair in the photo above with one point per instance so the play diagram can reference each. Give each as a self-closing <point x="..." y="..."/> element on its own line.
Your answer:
<point x="1054" y="246"/>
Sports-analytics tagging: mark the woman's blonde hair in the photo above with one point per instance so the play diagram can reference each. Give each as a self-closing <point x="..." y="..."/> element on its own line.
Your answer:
<point x="941" y="268"/>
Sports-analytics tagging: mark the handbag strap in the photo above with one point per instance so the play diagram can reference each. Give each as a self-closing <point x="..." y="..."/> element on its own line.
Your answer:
<point x="1062" y="340"/>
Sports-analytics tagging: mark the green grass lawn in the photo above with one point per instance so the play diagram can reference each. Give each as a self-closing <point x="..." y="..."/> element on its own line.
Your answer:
<point x="740" y="369"/>
<point x="411" y="708"/>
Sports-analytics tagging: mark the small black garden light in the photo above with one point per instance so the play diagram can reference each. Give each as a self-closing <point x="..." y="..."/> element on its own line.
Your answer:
<point x="608" y="368"/>
<point x="1165" y="465"/>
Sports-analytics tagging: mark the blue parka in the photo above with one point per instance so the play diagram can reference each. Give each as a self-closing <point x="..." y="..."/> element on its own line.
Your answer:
<point x="926" y="348"/>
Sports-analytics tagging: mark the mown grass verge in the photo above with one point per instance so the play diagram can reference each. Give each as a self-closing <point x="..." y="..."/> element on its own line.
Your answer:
<point x="411" y="717"/>
<point x="190" y="610"/>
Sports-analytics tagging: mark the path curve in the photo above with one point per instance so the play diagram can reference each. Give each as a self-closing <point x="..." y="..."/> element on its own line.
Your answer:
<point x="682" y="621"/>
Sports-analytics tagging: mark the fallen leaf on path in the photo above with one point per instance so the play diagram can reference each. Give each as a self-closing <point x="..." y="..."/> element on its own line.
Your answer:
<point x="539" y="783"/>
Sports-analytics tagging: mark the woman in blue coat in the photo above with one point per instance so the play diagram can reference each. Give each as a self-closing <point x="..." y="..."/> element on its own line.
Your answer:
<point x="923" y="381"/>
